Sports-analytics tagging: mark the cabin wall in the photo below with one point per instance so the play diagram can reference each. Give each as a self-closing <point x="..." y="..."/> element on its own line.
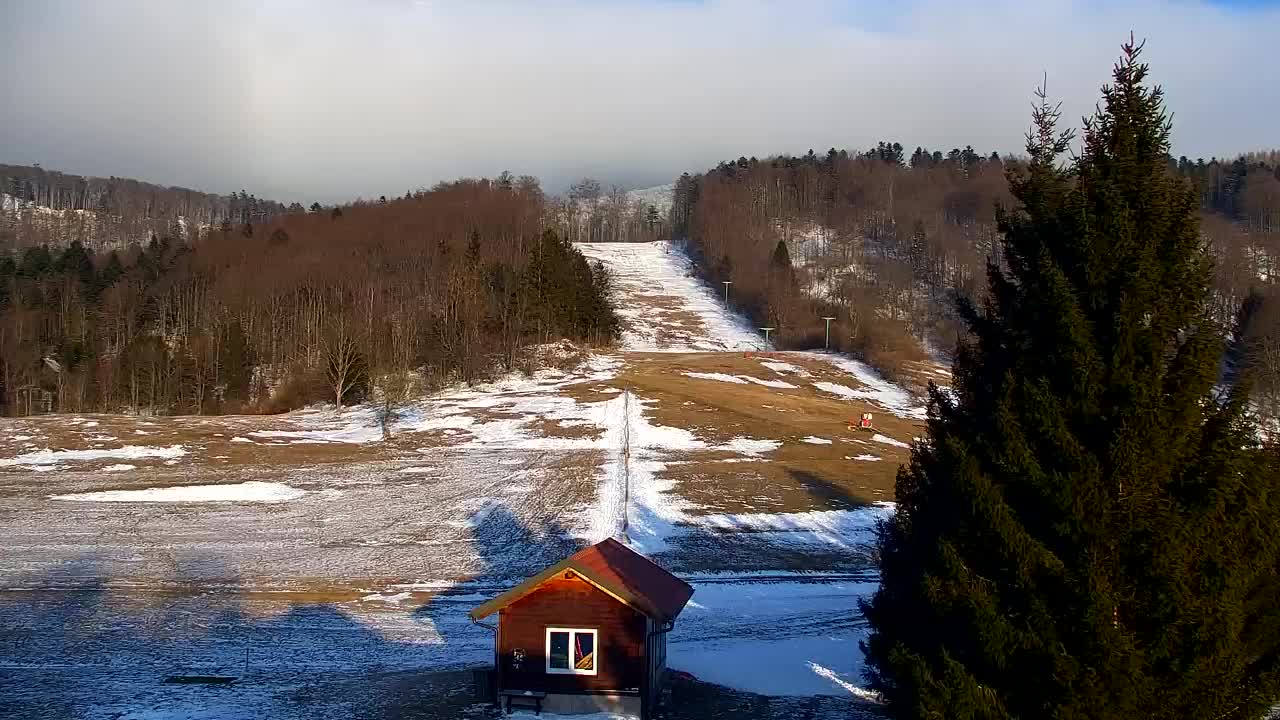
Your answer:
<point x="560" y="602"/>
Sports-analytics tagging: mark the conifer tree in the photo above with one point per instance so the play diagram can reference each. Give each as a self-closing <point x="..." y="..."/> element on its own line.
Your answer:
<point x="1088" y="528"/>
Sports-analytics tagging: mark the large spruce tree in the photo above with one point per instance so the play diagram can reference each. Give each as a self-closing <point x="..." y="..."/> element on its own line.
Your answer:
<point x="1088" y="528"/>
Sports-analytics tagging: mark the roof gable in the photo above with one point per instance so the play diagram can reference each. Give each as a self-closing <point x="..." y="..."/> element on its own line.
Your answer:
<point x="615" y="569"/>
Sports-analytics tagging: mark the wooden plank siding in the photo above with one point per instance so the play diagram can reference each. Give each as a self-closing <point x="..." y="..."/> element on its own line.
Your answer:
<point x="621" y="639"/>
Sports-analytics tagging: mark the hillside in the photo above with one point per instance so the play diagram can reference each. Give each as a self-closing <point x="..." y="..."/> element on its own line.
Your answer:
<point x="315" y="543"/>
<point x="885" y="242"/>
<point x="46" y="207"/>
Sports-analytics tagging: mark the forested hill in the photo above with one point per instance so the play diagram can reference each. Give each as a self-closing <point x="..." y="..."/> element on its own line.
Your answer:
<point x="452" y="284"/>
<point x="883" y="240"/>
<point x="46" y="207"/>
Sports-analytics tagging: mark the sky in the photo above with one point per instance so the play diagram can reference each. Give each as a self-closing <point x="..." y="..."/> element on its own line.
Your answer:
<point x="319" y="100"/>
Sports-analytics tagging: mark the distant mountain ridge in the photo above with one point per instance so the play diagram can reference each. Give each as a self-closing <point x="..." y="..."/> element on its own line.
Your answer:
<point x="49" y="207"/>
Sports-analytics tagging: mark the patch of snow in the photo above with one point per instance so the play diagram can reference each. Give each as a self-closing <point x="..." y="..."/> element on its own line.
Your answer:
<point x="816" y="440"/>
<point x="21" y="438"/>
<point x="252" y="491"/>
<point x="889" y="441"/>
<point x="785" y="368"/>
<point x="416" y="470"/>
<point x="741" y="379"/>
<point x="749" y="446"/>
<point x="866" y="457"/>
<point x="840" y="528"/>
<point x="854" y="690"/>
<point x="390" y="599"/>
<point x="128" y="452"/>
<point x="876" y="389"/>
<point x="357" y="432"/>
<point x="119" y="468"/>
<point x="241" y="440"/>
<point x="722" y="377"/>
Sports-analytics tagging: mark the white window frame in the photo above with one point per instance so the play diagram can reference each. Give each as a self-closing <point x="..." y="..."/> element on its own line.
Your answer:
<point x="595" y="651"/>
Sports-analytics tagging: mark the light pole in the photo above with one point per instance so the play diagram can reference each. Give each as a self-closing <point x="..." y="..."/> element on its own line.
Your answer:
<point x="766" y="335"/>
<point x="826" y="344"/>
<point x="726" y="284"/>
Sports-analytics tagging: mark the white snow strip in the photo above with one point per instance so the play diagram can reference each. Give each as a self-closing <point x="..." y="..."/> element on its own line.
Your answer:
<point x="722" y="377"/>
<point x="749" y="446"/>
<point x="876" y="389"/>
<point x="119" y="468"/>
<point x="840" y="528"/>
<point x="866" y="457"/>
<point x="784" y="368"/>
<point x="740" y="379"/>
<point x="769" y="383"/>
<point x="854" y="690"/>
<point x="128" y="452"/>
<point x="391" y="599"/>
<point x="241" y="440"/>
<point x="253" y="491"/>
<point x="889" y="441"/>
<point x="816" y="440"/>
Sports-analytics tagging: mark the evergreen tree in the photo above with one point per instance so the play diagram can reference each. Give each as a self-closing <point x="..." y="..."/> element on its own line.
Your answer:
<point x="781" y="259"/>
<point x="1088" y="528"/>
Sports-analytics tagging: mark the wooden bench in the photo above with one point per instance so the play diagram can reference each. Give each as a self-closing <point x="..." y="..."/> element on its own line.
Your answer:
<point x="533" y="696"/>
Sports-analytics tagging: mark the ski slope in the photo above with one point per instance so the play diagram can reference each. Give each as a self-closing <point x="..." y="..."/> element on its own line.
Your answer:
<point x="663" y="306"/>
<point x="314" y="545"/>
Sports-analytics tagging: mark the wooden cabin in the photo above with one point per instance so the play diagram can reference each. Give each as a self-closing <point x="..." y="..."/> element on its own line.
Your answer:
<point x="588" y="634"/>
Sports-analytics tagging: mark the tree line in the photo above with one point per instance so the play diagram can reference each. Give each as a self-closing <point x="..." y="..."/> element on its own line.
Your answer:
<point x="47" y="207"/>
<point x="886" y="239"/>
<point x="450" y="284"/>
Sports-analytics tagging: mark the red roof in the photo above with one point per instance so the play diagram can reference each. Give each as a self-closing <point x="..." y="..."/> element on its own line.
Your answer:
<point x="631" y="577"/>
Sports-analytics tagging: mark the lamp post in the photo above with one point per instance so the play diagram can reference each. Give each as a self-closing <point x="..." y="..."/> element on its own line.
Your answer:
<point x="726" y="284"/>
<point x="826" y="344"/>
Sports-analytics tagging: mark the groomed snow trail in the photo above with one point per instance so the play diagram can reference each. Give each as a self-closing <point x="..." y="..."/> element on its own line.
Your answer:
<point x="664" y="307"/>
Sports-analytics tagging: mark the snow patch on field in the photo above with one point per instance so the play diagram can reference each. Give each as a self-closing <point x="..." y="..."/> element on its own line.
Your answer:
<point x="876" y="389"/>
<point x="866" y="457"/>
<point x="889" y="441"/>
<point x="128" y="452"/>
<point x="120" y="467"/>
<point x="722" y="377"/>
<point x="741" y="379"/>
<point x="252" y="491"/>
<point x="749" y="446"/>
<point x="839" y="528"/>
<point x="785" y="368"/>
<point x="812" y="440"/>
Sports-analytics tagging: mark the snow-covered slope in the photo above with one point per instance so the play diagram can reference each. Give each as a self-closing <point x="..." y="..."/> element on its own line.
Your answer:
<point x="664" y="307"/>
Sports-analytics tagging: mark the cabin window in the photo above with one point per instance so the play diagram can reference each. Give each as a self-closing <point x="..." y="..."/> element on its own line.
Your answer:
<point x="571" y="651"/>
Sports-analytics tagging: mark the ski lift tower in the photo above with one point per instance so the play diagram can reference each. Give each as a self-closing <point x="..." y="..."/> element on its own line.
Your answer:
<point x="826" y="344"/>
<point x="766" y="331"/>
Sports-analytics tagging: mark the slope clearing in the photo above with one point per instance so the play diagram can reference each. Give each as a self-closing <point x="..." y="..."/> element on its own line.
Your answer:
<point x="315" y="548"/>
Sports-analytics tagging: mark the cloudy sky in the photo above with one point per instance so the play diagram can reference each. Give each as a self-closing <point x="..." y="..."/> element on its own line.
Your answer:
<point x="313" y="100"/>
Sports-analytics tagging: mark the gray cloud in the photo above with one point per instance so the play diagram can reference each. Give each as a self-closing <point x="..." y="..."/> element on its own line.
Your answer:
<point x="306" y="100"/>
